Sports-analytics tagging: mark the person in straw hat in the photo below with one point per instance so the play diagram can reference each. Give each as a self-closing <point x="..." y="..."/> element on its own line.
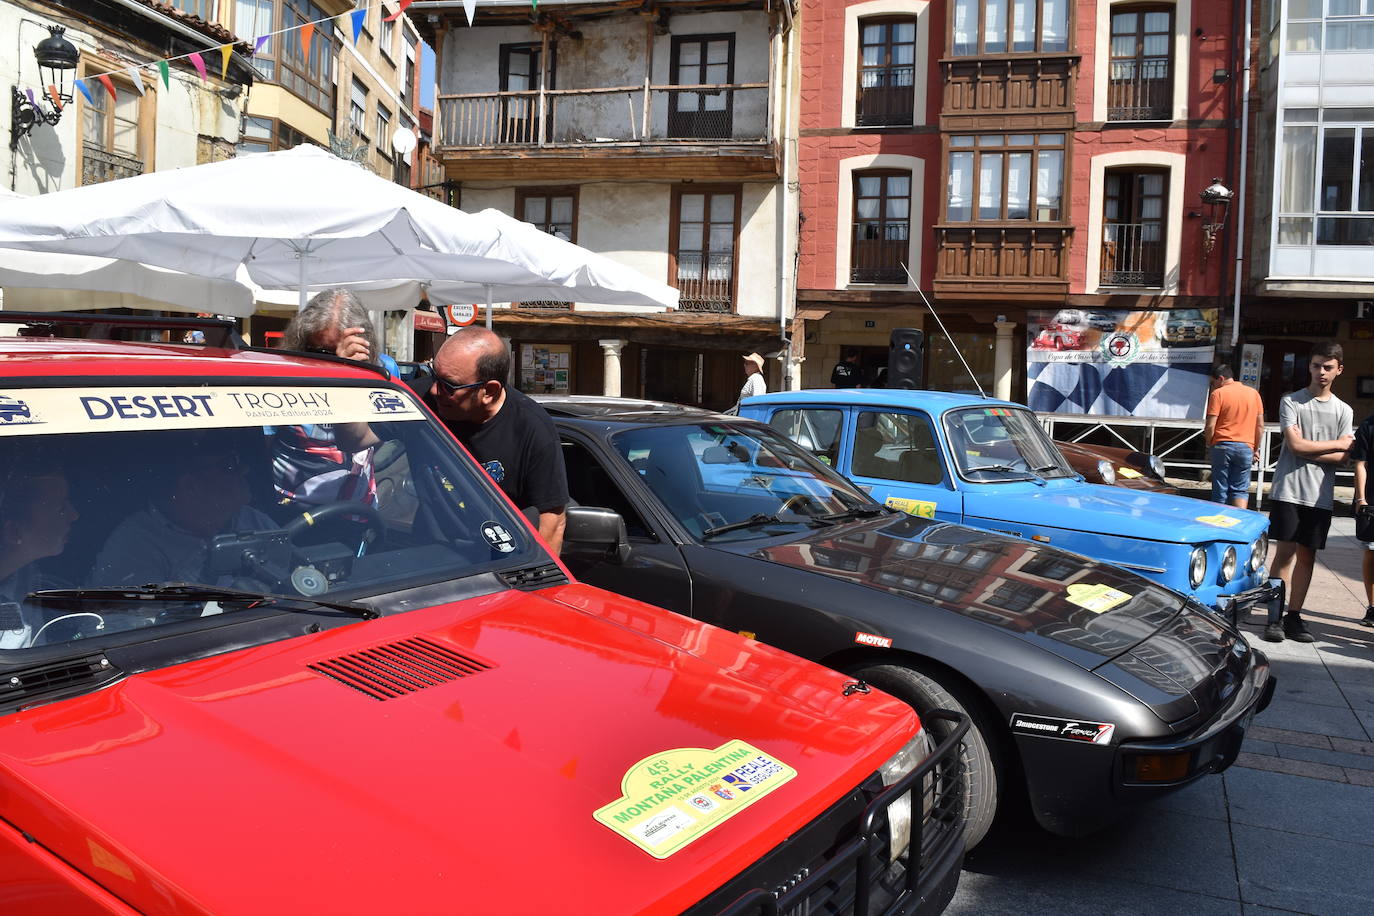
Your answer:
<point x="753" y="378"/>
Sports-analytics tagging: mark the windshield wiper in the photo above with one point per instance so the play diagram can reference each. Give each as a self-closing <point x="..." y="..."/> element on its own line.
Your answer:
<point x="857" y="512"/>
<point x="754" y="521"/>
<point x="184" y="591"/>
<point x="1002" y="467"/>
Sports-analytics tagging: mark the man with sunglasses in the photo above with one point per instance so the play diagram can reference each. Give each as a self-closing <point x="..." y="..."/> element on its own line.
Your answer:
<point x="509" y="434"/>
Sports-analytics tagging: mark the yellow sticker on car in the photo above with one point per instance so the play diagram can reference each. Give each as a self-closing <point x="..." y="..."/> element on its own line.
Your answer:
<point x="1096" y="598"/>
<point x="917" y="507"/>
<point x="670" y="799"/>
<point x="1128" y="473"/>
<point x="1221" y="521"/>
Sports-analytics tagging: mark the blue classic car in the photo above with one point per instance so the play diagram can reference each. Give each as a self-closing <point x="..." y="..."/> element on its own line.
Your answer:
<point x="988" y="463"/>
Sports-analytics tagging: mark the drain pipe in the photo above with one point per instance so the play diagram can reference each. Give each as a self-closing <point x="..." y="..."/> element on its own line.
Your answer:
<point x="787" y="276"/>
<point x="1240" y="187"/>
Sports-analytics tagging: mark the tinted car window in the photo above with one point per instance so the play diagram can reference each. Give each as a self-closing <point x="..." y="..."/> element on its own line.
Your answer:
<point x="998" y="444"/>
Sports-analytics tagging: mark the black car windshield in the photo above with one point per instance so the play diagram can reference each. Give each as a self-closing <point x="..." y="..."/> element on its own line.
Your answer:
<point x="1001" y="444"/>
<point x="298" y="489"/>
<point x="728" y="481"/>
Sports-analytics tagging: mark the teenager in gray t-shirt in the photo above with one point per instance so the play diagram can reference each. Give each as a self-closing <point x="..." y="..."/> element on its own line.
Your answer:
<point x="1317" y="434"/>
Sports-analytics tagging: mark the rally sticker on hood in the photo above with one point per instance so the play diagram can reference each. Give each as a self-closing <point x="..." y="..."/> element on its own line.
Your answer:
<point x="1066" y="729"/>
<point x="1221" y="521"/>
<point x="1097" y="598"/>
<point x="670" y="799"/>
<point x="1128" y="473"/>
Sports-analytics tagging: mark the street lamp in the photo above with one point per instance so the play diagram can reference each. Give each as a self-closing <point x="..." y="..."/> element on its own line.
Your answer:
<point x="1216" y="198"/>
<point x="56" y="56"/>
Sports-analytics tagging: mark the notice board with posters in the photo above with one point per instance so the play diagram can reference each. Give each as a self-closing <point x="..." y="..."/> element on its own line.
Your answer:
<point x="545" y="368"/>
<point x="1153" y="364"/>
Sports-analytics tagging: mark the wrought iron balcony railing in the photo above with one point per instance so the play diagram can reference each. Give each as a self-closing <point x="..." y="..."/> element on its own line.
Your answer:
<point x="877" y="255"/>
<point x="886" y="97"/>
<point x="738" y="113"/>
<point x="708" y="290"/>
<point x="1133" y="254"/>
<point x="1140" y="90"/>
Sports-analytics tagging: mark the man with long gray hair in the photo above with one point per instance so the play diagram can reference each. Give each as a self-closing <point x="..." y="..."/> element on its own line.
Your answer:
<point x="335" y="322"/>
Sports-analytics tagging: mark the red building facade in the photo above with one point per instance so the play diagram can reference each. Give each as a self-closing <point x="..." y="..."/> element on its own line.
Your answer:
<point x="1014" y="155"/>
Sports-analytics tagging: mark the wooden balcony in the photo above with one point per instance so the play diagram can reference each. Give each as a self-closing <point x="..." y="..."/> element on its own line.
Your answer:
<point x="716" y="132"/>
<point x="1024" y="260"/>
<point x="1001" y="92"/>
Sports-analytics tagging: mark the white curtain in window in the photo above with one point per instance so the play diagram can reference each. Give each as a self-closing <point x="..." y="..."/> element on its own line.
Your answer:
<point x="1298" y="168"/>
<point x="1023" y="25"/>
<point x="994" y="25"/>
<point x="1049" y="184"/>
<point x="1018" y="185"/>
<point x="965" y="24"/>
<point x="1055" y="29"/>
<point x="960" y="186"/>
<point x="990" y="186"/>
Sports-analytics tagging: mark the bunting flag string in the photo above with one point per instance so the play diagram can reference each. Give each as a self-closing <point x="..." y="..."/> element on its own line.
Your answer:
<point x="108" y="84"/>
<point x="81" y="85"/>
<point x="56" y="99"/>
<point x="306" y="30"/>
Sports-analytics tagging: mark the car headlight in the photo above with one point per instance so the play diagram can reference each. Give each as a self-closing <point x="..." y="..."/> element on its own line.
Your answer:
<point x="1228" y="564"/>
<point x="1156" y="465"/>
<point x="1197" y="567"/>
<point x="1106" y="472"/>
<point x="1259" y="551"/>
<point x="912" y="754"/>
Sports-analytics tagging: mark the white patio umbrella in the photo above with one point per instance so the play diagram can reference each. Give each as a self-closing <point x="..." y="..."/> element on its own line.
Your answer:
<point x="36" y="281"/>
<point x="303" y="217"/>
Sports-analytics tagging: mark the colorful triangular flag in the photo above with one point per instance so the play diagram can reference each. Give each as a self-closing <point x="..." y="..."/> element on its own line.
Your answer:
<point x="401" y="9"/>
<point x="259" y="42"/>
<point x="136" y="80"/>
<point x="32" y="100"/>
<point x="224" y="53"/>
<point x="166" y="74"/>
<point x="307" y="33"/>
<point x="358" y="17"/>
<point x="56" y="99"/>
<point x="470" y="7"/>
<point x="199" y="63"/>
<point x="108" y="84"/>
<point x="81" y="87"/>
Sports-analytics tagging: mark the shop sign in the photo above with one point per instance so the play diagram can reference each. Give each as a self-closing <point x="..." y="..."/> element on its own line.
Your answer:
<point x="460" y="314"/>
<point x="1364" y="308"/>
<point x="428" y="321"/>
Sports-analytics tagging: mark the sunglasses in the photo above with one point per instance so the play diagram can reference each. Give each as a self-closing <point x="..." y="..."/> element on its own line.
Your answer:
<point x="447" y="388"/>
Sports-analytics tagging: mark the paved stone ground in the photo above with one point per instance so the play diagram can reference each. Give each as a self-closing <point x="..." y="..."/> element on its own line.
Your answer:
<point x="1288" y="829"/>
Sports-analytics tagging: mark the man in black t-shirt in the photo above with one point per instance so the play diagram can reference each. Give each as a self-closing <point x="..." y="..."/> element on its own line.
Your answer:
<point x="510" y="435"/>
<point x="847" y="373"/>
<point x="1362" y="454"/>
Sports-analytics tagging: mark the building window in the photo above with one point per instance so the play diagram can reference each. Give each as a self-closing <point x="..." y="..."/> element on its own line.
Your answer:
<point x="110" y="141"/>
<point x="1348" y="25"/>
<point x="386" y="40"/>
<point x="383" y="130"/>
<point x="1009" y="26"/>
<point x="887" y="72"/>
<point x="1133" y="227"/>
<point x="1140" y="86"/>
<point x="261" y="135"/>
<point x="357" y="108"/>
<point x="1005" y="177"/>
<point x="1326" y="177"/>
<point x="521" y="71"/>
<point x="551" y="210"/>
<point x="882" y="227"/>
<point x="408" y="87"/>
<point x="308" y="77"/>
<point x="704" y="232"/>
<point x="205" y="9"/>
<point x="251" y="19"/>
<point x="702" y="60"/>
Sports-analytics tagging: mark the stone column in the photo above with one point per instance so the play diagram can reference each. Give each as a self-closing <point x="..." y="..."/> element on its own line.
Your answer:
<point x="610" y="384"/>
<point x="1001" y="359"/>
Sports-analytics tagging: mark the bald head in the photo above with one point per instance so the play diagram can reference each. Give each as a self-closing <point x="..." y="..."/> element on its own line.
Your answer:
<point x="473" y="354"/>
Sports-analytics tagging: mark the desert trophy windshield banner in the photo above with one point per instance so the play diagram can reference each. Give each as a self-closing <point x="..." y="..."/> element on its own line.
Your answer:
<point x="1118" y="363"/>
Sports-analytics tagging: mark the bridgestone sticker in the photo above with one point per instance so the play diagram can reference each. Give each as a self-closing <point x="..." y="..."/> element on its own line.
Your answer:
<point x="670" y="799"/>
<point x="1063" y="729"/>
<point x="87" y="409"/>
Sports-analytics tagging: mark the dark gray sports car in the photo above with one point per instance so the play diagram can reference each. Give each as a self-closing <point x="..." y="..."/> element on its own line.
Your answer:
<point x="1089" y="687"/>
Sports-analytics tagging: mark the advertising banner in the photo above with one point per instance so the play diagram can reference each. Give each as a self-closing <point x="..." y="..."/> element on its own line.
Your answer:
<point x="1102" y="362"/>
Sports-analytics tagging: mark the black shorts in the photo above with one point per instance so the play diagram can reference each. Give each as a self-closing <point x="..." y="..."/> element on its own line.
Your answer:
<point x="1305" y="526"/>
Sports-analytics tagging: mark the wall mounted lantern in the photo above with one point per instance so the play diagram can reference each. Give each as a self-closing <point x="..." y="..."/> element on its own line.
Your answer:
<point x="1216" y="200"/>
<point x="57" y="58"/>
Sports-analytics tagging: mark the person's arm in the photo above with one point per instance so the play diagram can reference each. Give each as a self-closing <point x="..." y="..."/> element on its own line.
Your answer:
<point x="1302" y="447"/>
<point x="551" y="525"/>
<point x="1209" y="429"/>
<point x="355" y="437"/>
<point x="1361" y="474"/>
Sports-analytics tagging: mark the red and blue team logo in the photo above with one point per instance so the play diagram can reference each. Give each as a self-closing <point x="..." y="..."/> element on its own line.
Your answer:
<point x="722" y="791"/>
<point x="739" y="782"/>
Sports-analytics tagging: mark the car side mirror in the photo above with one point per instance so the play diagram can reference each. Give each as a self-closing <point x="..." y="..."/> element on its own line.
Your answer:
<point x="596" y="532"/>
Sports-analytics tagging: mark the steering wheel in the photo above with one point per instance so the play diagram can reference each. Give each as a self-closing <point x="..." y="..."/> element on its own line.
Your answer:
<point x="359" y="515"/>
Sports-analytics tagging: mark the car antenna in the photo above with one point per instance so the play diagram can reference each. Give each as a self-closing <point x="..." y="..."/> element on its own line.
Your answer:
<point x="981" y="393"/>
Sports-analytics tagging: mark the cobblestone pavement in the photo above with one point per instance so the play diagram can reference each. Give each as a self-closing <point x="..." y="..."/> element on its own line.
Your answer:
<point x="1288" y="829"/>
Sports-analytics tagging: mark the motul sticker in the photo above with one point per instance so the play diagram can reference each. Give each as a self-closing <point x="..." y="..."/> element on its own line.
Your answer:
<point x="873" y="639"/>
<point x="1066" y="729"/>
<point x="670" y="799"/>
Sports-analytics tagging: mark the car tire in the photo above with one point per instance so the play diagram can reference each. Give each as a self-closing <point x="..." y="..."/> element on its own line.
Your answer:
<point x="980" y="782"/>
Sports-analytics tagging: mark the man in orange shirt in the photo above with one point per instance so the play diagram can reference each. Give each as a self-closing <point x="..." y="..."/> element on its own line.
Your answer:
<point x="1235" y="422"/>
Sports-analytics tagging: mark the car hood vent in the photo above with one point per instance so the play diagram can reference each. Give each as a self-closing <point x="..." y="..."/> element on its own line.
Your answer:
<point x="396" y="669"/>
<point x="533" y="577"/>
<point x="26" y="685"/>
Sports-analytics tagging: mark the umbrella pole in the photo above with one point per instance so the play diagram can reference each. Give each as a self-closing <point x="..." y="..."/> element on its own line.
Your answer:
<point x="302" y="254"/>
<point x="488" y="288"/>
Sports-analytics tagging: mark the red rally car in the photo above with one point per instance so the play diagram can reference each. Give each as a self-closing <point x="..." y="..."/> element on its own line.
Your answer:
<point x="270" y="642"/>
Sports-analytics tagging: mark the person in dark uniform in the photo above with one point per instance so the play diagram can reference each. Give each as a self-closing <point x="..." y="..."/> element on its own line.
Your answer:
<point x="508" y="433"/>
<point x="847" y="373"/>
